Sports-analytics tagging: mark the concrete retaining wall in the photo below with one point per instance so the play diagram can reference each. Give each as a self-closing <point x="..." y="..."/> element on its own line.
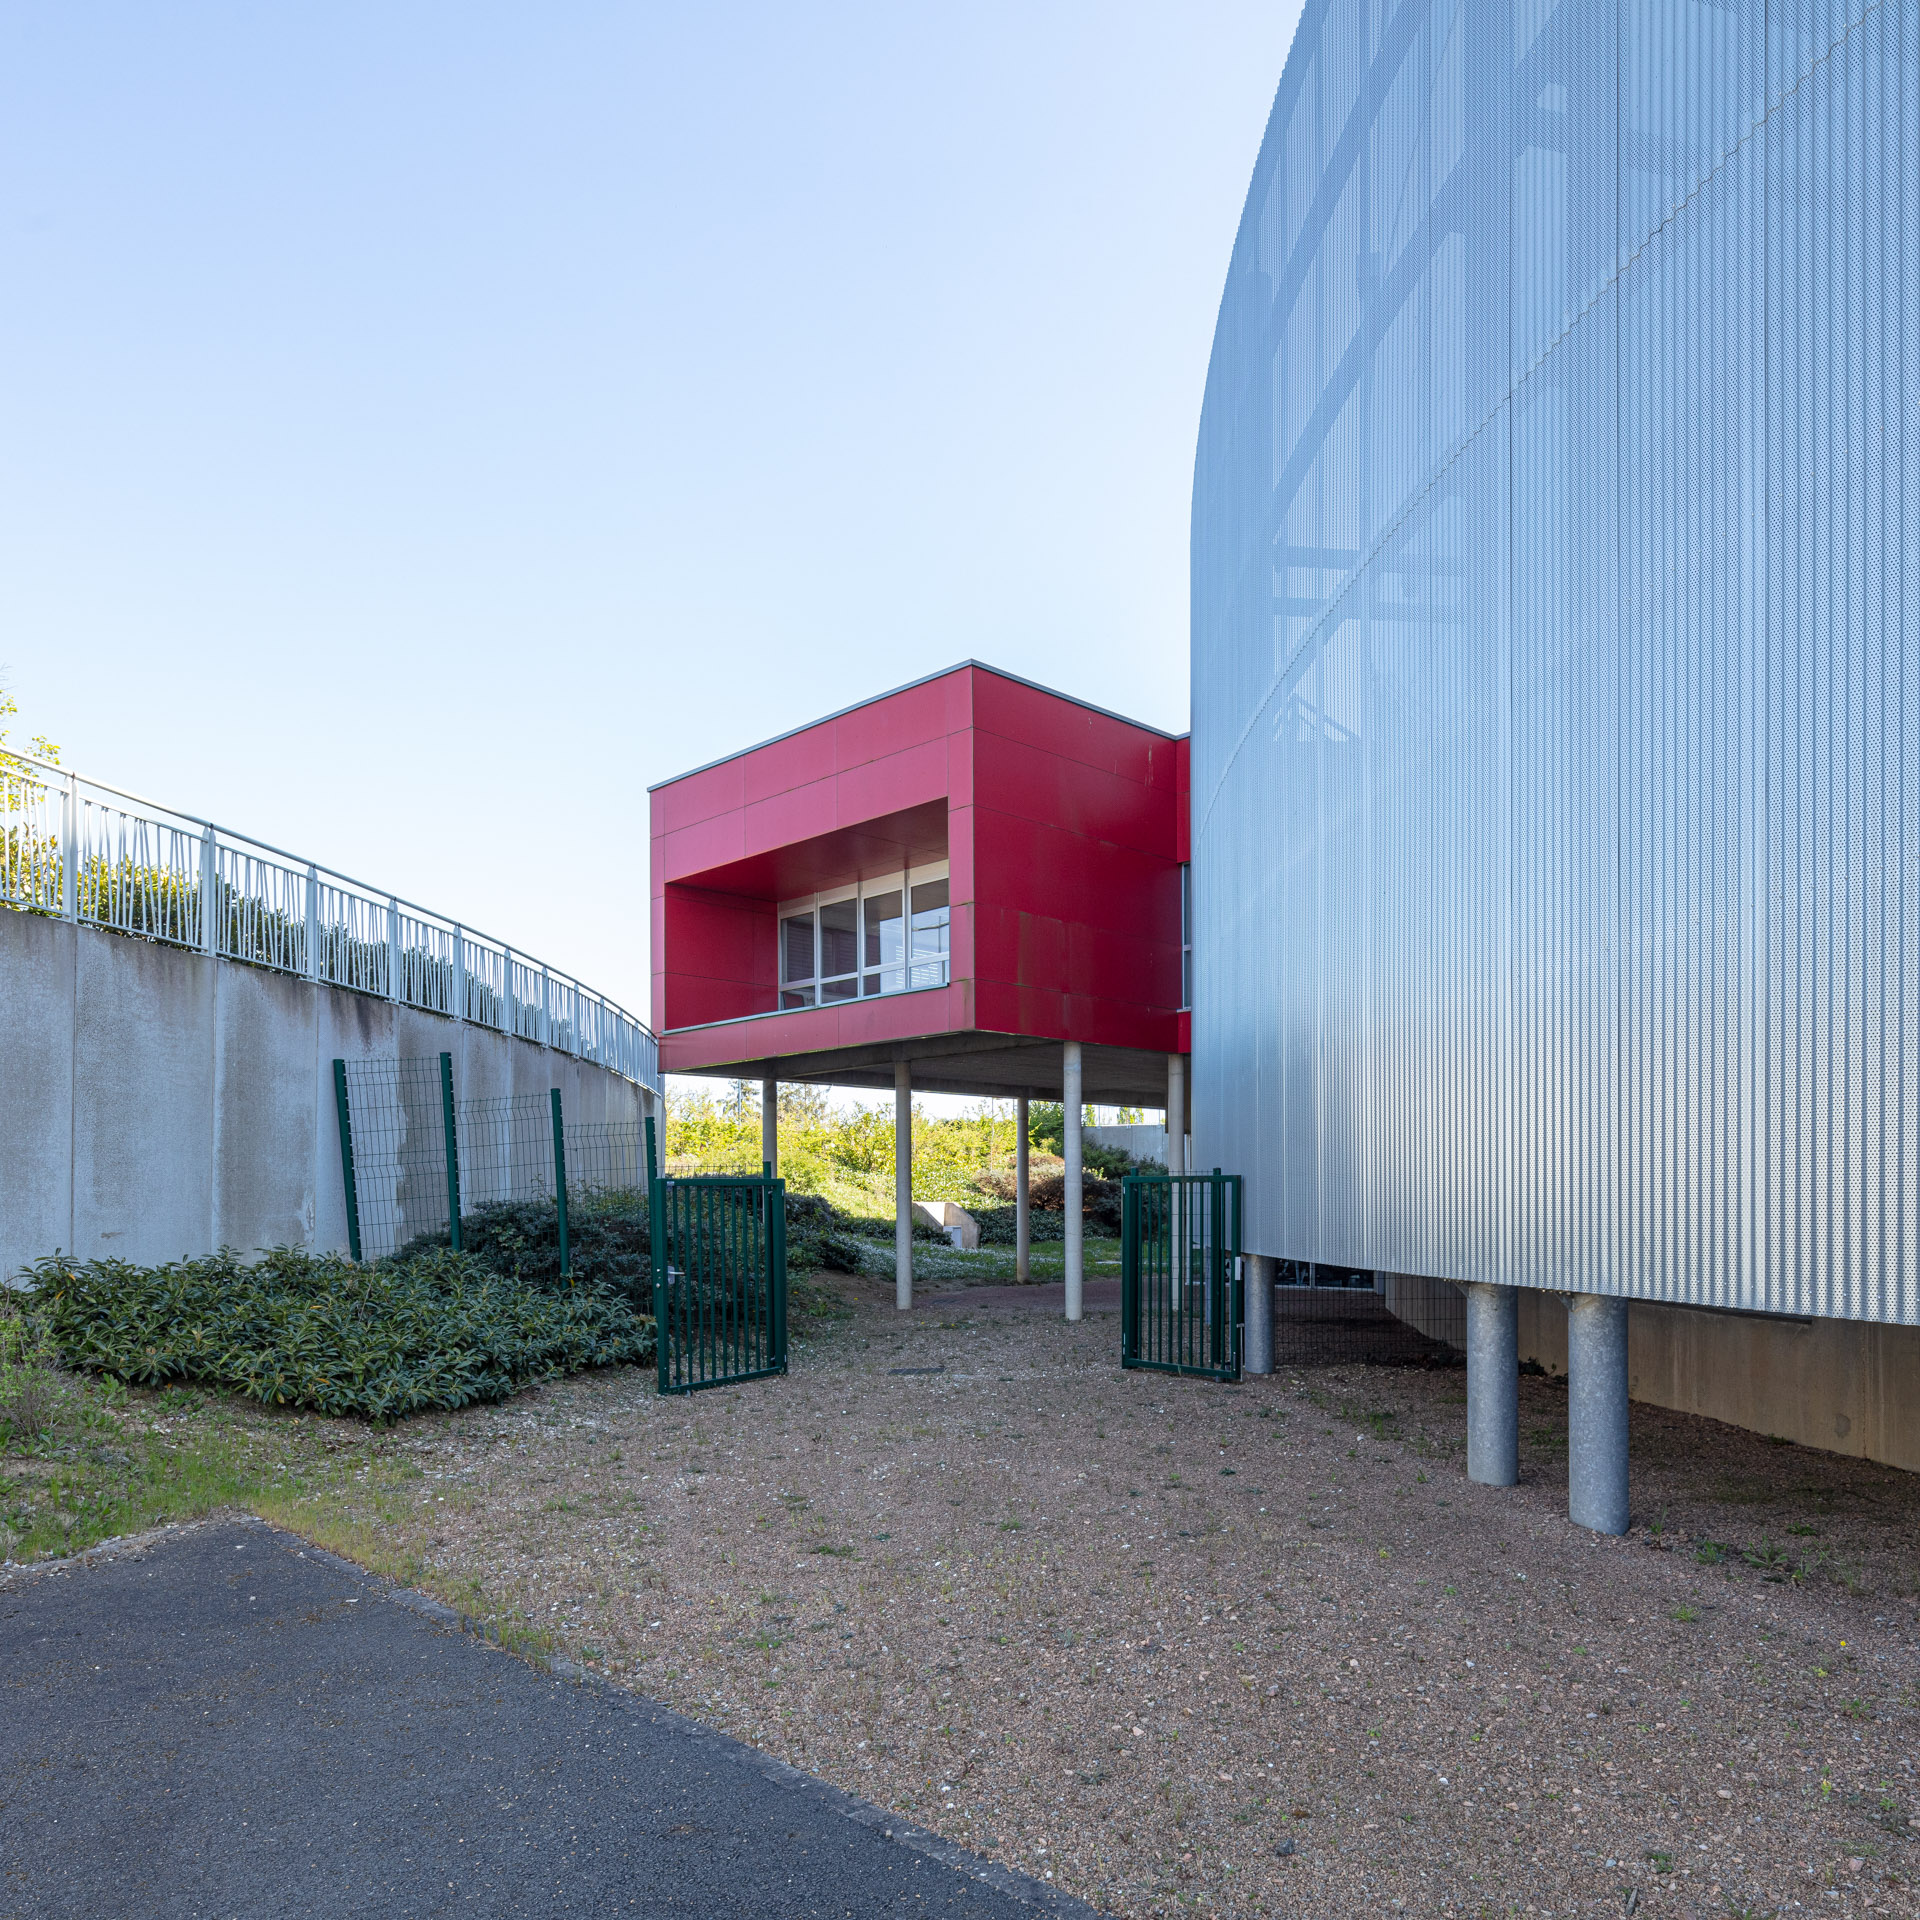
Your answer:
<point x="1849" y="1386"/>
<point x="155" y="1103"/>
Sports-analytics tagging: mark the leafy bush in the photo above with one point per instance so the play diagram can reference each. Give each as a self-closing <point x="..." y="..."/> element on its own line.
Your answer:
<point x="36" y="1401"/>
<point x="819" y="1237"/>
<point x="607" y="1241"/>
<point x="1000" y="1226"/>
<point x="1047" y="1194"/>
<point x="440" y="1330"/>
<point x="610" y="1247"/>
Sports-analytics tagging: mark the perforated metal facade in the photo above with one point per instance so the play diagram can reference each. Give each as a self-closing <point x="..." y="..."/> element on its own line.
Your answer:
<point x="1556" y="750"/>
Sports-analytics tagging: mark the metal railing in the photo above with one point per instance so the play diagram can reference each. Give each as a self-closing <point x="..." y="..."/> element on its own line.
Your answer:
<point x="79" y="850"/>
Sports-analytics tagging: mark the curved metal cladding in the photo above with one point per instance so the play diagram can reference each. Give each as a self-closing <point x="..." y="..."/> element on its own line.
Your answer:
<point x="1556" y="653"/>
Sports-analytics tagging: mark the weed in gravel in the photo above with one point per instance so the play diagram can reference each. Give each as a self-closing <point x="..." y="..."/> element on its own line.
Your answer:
<point x="1684" y="1612"/>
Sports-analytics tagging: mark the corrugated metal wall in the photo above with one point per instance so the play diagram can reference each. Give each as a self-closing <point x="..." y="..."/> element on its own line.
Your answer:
<point x="1556" y="749"/>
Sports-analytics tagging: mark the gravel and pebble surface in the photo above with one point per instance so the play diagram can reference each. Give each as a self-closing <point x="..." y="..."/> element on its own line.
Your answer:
<point x="1253" y="1649"/>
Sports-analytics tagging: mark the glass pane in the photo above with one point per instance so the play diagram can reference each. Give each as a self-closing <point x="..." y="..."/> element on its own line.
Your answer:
<point x="928" y="966"/>
<point x="883" y="930"/>
<point x="795" y="997"/>
<point x="839" y="938"/>
<point x="796" y="947"/>
<point x="838" y="989"/>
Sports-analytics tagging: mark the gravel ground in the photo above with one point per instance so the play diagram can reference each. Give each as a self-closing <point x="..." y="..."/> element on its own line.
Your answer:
<point x="1258" y="1649"/>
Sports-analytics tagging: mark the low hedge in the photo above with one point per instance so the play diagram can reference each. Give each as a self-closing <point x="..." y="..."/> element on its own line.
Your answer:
<point x="295" y="1329"/>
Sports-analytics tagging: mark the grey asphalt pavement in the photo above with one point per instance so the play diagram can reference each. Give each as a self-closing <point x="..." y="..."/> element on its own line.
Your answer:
<point x="228" y="1723"/>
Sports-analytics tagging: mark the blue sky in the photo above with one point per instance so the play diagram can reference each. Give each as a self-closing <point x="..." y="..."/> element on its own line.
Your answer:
<point x="424" y="426"/>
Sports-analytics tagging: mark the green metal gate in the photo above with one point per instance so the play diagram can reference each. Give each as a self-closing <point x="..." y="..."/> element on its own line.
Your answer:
<point x="1180" y="1273"/>
<point x="719" y="1277"/>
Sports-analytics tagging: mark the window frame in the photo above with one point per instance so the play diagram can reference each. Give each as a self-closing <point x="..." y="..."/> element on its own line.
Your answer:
<point x="901" y="883"/>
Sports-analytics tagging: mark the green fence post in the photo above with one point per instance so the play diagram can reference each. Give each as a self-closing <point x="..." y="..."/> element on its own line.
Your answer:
<point x="657" y="1247"/>
<point x="346" y="1157"/>
<point x="453" y="1152"/>
<point x="560" y="1184"/>
<point x="777" y="1274"/>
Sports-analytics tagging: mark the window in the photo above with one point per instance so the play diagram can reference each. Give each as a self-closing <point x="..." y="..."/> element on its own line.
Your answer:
<point x="887" y="935"/>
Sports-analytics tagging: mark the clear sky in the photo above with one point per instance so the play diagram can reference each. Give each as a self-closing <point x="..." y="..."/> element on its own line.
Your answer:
<point x="422" y="426"/>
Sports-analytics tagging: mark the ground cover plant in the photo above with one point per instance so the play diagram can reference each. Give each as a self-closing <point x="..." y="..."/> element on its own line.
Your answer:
<point x="299" y="1329"/>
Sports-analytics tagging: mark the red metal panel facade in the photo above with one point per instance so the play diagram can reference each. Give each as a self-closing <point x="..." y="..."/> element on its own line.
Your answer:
<point x="1064" y="828"/>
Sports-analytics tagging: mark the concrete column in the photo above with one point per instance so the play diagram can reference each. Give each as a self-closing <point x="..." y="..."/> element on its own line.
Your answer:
<point x="1493" y="1384"/>
<point x="1176" y="1113"/>
<point x="1256" y="1352"/>
<point x="1022" y="1212"/>
<point x="902" y="1185"/>
<point x="770" y="1123"/>
<point x="1597" y="1412"/>
<point x="1070" y="1092"/>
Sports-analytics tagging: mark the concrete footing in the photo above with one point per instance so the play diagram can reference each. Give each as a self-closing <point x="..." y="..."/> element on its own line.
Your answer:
<point x="1493" y="1385"/>
<point x="1597" y="1412"/>
<point x="1256" y="1351"/>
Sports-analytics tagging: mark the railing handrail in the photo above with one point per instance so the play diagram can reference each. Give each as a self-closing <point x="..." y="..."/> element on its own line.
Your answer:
<point x="69" y="781"/>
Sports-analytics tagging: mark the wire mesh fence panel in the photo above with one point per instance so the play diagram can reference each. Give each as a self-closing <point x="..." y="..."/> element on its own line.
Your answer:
<point x="1179" y="1273"/>
<point x="605" y="1156"/>
<point x="396" y="1149"/>
<point x="1327" y="1316"/>
<point x="719" y="1280"/>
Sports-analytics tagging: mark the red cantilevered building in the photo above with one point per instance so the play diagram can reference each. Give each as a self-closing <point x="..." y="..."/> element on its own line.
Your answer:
<point x="970" y="885"/>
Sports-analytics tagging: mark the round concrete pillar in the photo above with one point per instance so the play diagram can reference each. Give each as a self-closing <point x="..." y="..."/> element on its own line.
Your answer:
<point x="1597" y="1412"/>
<point x="770" y="1124"/>
<point x="1022" y="1214"/>
<point x="1257" y="1276"/>
<point x="902" y="1185"/>
<point x="1493" y="1384"/>
<point x="1070" y="1097"/>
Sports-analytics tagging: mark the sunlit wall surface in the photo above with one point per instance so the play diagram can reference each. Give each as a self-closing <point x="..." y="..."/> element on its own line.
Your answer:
<point x="1556" y="653"/>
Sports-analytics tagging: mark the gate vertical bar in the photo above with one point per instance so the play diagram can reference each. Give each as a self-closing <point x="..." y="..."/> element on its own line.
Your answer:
<point x="777" y="1273"/>
<point x="560" y="1184"/>
<point x="346" y="1158"/>
<point x="453" y="1152"/>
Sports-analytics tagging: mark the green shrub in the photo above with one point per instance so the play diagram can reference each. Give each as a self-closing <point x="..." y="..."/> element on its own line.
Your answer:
<point x="1047" y="1194"/>
<point x="607" y="1241"/>
<point x="438" y="1331"/>
<point x="819" y="1237"/>
<point x="37" y="1401"/>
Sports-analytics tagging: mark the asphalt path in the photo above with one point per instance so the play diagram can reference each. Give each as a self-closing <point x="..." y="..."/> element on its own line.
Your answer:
<point x="226" y="1722"/>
